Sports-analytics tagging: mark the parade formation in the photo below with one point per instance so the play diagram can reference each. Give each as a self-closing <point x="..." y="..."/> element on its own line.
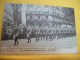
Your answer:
<point x="49" y="24"/>
<point x="40" y="33"/>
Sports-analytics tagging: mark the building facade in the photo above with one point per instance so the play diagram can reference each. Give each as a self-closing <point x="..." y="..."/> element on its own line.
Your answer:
<point x="12" y="15"/>
<point x="58" y="19"/>
<point x="52" y="16"/>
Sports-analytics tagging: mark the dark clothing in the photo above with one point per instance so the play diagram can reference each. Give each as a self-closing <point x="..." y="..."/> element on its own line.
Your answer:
<point x="16" y="40"/>
<point x="29" y="38"/>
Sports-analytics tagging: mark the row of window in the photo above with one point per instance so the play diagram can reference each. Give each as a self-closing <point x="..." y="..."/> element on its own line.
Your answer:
<point x="48" y="18"/>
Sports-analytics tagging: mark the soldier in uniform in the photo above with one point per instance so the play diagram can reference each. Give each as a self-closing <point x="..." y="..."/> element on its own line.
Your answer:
<point x="24" y="32"/>
<point x="15" y="37"/>
<point x="50" y="34"/>
<point x="46" y="34"/>
<point x="29" y="36"/>
<point x="37" y="35"/>
<point x="9" y="32"/>
<point x="16" y="33"/>
<point x="41" y="33"/>
<point x="53" y="34"/>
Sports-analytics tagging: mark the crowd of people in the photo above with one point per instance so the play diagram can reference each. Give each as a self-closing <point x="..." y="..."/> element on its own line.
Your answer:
<point x="40" y="33"/>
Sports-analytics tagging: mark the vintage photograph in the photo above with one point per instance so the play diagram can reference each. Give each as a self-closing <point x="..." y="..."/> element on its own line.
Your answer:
<point x="38" y="29"/>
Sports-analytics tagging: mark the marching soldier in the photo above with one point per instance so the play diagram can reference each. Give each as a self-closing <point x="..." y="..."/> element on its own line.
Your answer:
<point x="41" y="33"/>
<point x="15" y="37"/>
<point x="29" y="36"/>
<point x="37" y="35"/>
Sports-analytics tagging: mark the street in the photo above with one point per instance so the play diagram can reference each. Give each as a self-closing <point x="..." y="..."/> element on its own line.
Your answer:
<point x="67" y="45"/>
<point x="71" y="41"/>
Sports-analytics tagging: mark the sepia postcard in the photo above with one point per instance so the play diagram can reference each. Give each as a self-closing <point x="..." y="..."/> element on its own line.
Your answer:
<point x="38" y="29"/>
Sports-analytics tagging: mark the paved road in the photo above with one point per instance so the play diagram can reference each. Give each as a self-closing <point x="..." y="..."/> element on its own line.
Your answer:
<point x="66" y="43"/>
<point x="71" y="41"/>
